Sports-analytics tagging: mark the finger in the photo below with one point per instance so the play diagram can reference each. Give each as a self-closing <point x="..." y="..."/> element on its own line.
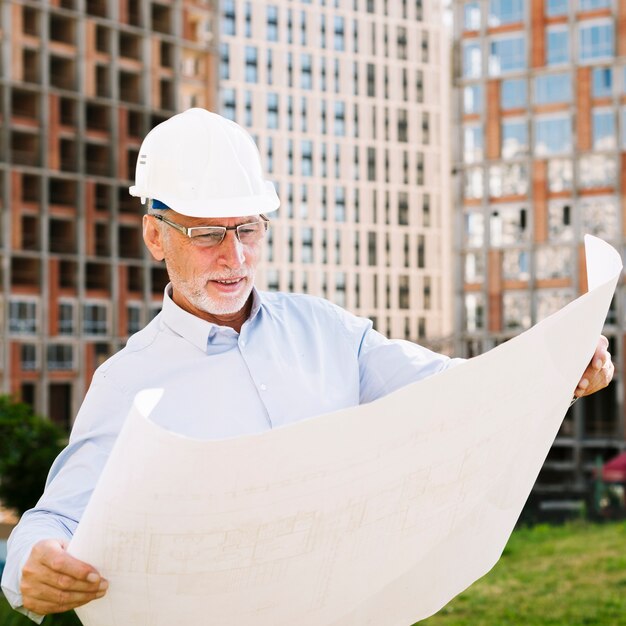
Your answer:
<point x="49" y="600"/>
<point x="64" y="582"/>
<point x="54" y="557"/>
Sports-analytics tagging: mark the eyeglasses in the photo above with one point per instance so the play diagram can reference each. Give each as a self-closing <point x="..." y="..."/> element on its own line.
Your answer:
<point x="210" y="236"/>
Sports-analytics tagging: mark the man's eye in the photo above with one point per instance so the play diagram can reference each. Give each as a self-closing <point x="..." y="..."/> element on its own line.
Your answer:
<point x="210" y="236"/>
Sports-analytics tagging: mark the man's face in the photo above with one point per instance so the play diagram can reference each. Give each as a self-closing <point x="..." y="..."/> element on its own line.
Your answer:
<point x="211" y="282"/>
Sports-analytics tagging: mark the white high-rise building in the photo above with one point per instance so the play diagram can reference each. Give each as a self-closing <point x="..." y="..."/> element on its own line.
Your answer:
<point x="348" y="103"/>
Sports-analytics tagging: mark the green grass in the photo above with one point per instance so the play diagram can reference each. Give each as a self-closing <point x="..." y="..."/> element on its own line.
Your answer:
<point x="572" y="575"/>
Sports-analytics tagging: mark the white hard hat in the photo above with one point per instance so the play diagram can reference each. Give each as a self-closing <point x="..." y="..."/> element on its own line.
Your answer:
<point x="203" y="165"/>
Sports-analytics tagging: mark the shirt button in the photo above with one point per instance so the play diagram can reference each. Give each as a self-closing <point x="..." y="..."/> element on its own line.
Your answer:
<point x="263" y="387"/>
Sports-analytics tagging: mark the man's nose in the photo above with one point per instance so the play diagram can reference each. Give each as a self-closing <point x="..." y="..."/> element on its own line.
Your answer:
<point x="232" y="250"/>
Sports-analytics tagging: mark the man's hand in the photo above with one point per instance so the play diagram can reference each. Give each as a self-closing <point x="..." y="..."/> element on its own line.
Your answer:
<point x="53" y="581"/>
<point x="598" y="373"/>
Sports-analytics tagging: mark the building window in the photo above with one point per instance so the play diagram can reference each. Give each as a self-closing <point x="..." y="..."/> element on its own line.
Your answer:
<point x="553" y="134"/>
<point x="597" y="171"/>
<point x="505" y="12"/>
<point x="507" y="54"/>
<point x="472" y="59"/>
<point x="560" y="175"/>
<point x="307" y="245"/>
<point x="471" y="15"/>
<point x="474" y="267"/>
<point x="306" y="154"/>
<point x="474" y="183"/>
<point x="306" y="71"/>
<point x="60" y="357"/>
<point x="515" y="265"/>
<point x="599" y="216"/>
<point x="472" y="99"/>
<point x="472" y="144"/>
<point x="229" y="105"/>
<point x="552" y="88"/>
<point x="340" y="118"/>
<point x="556" y="7"/>
<point x="228" y="17"/>
<point x="272" y="110"/>
<point x="508" y="179"/>
<point x="554" y="262"/>
<point x="508" y="226"/>
<point x="224" y="61"/>
<point x="560" y="226"/>
<point x="596" y="40"/>
<point x="513" y="94"/>
<point x="557" y="45"/>
<point x="474" y="312"/>
<point x="514" y="138"/>
<point x="339" y="39"/>
<point x="28" y="357"/>
<point x="23" y="317"/>
<point x="603" y="129"/>
<point x="67" y="323"/>
<point x="602" y="82"/>
<point x="516" y="310"/>
<point x="95" y="319"/>
<point x="549" y="301"/>
<point x="474" y="229"/>
<point x="272" y="22"/>
<point x="592" y="5"/>
<point x="133" y="319"/>
<point x="251" y="72"/>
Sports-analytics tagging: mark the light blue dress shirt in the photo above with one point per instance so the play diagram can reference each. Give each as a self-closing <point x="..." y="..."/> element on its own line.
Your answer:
<point x="296" y="356"/>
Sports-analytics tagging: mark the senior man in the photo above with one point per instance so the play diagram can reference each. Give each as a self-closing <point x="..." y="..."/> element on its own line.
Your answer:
<point x="232" y="360"/>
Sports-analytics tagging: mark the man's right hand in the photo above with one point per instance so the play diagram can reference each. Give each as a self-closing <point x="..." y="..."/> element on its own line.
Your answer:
<point x="53" y="581"/>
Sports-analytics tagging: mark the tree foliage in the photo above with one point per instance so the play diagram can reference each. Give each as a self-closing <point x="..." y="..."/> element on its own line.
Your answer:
<point x="28" y="445"/>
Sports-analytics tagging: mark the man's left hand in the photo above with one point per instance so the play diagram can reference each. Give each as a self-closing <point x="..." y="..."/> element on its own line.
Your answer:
<point x="599" y="372"/>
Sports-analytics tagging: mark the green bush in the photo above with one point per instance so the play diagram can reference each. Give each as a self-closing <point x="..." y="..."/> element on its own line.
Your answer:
<point x="29" y="444"/>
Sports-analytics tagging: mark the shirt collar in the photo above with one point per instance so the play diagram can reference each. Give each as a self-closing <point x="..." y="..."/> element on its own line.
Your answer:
<point x="197" y="331"/>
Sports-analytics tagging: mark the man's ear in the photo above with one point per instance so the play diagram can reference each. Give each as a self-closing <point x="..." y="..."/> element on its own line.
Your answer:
<point x="153" y="238"/>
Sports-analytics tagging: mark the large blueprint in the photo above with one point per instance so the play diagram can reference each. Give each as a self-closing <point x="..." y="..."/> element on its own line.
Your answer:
<point x="376" y="515"/>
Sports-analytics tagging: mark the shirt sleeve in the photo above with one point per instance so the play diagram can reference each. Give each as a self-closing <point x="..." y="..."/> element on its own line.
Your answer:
<point x="70" y="482"/>
<point x="388" y="364"/>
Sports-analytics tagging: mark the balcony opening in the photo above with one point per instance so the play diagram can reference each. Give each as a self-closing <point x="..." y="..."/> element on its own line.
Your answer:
<point x="31" y="188"/>
<point x="98" y="117"/>
<point x="30" y="21"/>
<point x="62" y="29"/>
<point x="60" y="404"/>
<point x="25" y="148"/>
<point x="62" y="72"/>
<point x="130" y="87"/>
<point x="31" y="71"/>
<point x="133" y="155"/>
<point x="103" y="81"/>
<point x="25" y="104"/>
<point x="69" y="112"/>
<point x="97" y="7"/>
<point x="166" y="93"/>
<point x="161" y="19"/>
<point x="25" y="272"/>
<point x="62" y="236"/>
<point x="68" y="153"/>
<point x="134" y="276"/>
<point x="130" y="242"/>
<point x="103" y="197"/>
<point x="135" y="126"/>
<point x="63" y="191"/>
<point x="98" y="276"/>
<point x="68" y="273"/>
<point x="128" y="203"/>
<point x="159" y="279"/>
<point x="97" y="160"/>
<point x="103" y="242"/>
<point x="167" y="54"/>
<point x="31" y="239"/>
<point x="130" y="46"/>
<point x="134" y="12"/>
<point x="103" y="39"/>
